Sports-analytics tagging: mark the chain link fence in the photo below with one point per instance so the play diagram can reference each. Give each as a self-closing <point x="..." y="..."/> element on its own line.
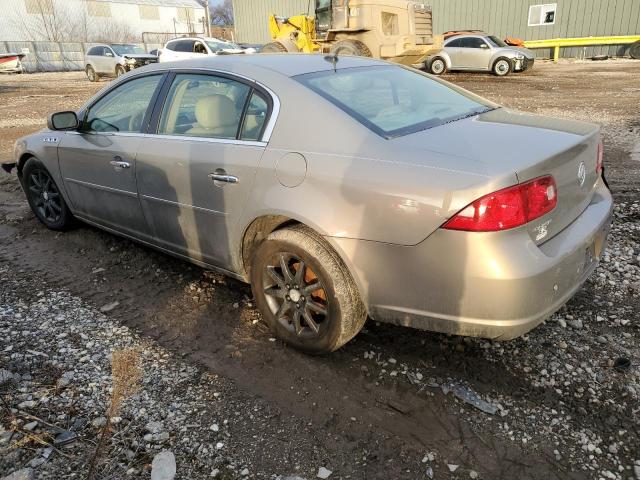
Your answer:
<point x="56" y="56"/>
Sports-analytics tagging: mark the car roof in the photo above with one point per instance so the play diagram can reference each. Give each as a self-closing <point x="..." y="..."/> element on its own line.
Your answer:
<point x="287" y="64"/>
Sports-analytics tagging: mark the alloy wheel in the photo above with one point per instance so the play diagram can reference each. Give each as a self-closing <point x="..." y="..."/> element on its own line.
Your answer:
<point x="296" y="295"/>
<point x="45" y="196"/>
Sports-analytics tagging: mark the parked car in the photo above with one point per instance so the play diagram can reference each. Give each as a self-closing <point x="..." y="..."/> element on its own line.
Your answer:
<point x="184" y="48"/>
<point x="479" y="52"/>
<point x="114" y="60"/>
<point x="406" y="199"/>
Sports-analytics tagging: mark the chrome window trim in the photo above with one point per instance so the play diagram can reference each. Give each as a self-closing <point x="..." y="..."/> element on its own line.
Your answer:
<point x="184" y="138"/>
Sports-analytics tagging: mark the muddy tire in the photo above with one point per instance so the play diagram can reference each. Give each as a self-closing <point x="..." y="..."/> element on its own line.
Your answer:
<point x="351" y="47"/>
<point x="634" y="50"/>
<point x="305" y="292"/>
<point x="437" y="66"/>
<point x="274" y="47"/>
<point x="91" y="74"/>
<point x="44" y="196"/>
<point x="120" y="70"/>
<point x="502" y="67"/>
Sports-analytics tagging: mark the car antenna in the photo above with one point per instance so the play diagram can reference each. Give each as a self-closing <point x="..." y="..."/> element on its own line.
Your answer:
<point x="333" y="58"/>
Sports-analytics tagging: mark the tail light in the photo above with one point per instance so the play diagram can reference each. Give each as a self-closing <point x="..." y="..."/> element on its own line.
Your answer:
<point x="599" y="163"/>
<point x="507" y="208"/>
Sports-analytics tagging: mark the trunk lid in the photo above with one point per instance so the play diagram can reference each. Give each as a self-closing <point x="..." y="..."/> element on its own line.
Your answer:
<point x="529" y="146"/>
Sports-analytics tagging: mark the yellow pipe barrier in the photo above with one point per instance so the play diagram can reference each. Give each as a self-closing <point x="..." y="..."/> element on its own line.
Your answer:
<point x="557" y="43"/>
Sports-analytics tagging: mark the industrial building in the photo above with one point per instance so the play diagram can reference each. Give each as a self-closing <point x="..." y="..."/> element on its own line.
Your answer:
<point x="524" y="19"/>
<point x="97" y="20"/>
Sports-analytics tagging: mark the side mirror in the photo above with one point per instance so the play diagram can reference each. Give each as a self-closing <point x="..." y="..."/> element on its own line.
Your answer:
<point x="108" y="54"/>
<point x="62" y="121"/>
<point x="484" y="45"/>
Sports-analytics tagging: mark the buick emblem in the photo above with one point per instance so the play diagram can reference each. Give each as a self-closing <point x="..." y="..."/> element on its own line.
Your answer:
<point x="582" y="173"/>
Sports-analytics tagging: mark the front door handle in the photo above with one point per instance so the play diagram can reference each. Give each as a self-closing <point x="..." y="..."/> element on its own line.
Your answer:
<point x="118" y="163"/>
<point x="223" y="177"/>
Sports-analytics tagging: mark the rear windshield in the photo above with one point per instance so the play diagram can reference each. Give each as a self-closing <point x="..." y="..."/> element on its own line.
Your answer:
<point x="393" y="101"/>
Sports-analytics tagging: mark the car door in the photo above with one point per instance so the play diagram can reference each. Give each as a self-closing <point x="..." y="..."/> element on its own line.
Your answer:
<point x="195" y="174"/>
<point x="98" y="162"/>
<point x="110" y="60"/>
<point x="184" y="49"/>
<point x="99" y="59"/>
<point x="453" y="49"/>
<point x="475" y="54"/>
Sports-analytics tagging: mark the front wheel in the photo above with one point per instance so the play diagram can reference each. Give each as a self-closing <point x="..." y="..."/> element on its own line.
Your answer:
<point x="502" y="67"/>
<point x="44" y="196"/>
<point x="304" y="291"/>
<point x="120" y="71"/>
<point x="354" y="48"/>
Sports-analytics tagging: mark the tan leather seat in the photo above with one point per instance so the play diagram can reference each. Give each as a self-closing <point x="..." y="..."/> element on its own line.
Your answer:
<point x="216" y="116"/>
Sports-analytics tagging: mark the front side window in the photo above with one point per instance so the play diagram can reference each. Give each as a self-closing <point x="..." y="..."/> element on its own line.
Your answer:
<point x="216" y="46"/>
<point x="123" y="108"/>
<point x="393" y="101"/>
<point x="200" y="48"/>
<point x="201" y="105"/>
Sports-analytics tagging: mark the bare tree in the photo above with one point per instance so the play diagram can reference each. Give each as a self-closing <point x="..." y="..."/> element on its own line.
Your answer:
<point x="222" y="14"/>
<point x="48" y="20"/>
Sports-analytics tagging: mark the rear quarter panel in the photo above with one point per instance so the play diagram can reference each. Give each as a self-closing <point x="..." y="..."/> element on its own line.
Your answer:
<point x="357" y="184"/>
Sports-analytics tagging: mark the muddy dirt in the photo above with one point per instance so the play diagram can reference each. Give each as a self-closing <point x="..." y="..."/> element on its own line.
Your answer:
<point x="377" y="405"/>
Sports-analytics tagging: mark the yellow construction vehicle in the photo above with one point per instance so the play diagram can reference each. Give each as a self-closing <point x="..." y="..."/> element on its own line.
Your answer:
<point x="400" y="31"/>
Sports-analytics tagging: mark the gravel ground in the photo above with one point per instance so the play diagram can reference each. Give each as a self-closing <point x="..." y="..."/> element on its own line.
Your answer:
<point x="558" y="403"/>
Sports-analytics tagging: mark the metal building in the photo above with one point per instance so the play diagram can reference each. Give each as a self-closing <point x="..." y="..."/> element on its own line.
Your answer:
<point x="525" y="19"/>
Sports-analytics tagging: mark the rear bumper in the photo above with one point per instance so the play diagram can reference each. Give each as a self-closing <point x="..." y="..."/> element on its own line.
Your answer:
<point x="493" y="285"/>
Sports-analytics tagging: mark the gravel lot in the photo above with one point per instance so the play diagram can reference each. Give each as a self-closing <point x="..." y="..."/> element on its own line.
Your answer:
<point x="228" y="401"/>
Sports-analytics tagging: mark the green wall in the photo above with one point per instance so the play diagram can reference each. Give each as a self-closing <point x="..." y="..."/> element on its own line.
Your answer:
<point x="574" y="18"/>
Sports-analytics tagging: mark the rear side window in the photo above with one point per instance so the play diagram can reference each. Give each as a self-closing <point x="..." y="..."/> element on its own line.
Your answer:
<point x="171" y="46"/>
<point x="183" y="46"/>
<point x="95" y="51"/>
<point x="204" y="106"/>
<point x="393" y="101"/>
<point x="255" y="117"/>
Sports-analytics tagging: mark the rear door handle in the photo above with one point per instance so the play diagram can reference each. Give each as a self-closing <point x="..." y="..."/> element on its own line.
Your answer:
<point x="223" y="177"/>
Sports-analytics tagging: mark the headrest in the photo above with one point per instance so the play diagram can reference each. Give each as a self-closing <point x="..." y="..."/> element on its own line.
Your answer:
<point x="215" y="111"/>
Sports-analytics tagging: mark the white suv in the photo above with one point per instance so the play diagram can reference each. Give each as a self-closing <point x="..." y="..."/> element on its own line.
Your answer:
<point x="183" y="48"/>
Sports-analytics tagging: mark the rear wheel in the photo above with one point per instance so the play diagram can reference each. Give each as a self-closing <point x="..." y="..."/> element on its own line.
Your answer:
<point x="502" y="67"/>
<point x="351" y="47"/>
<point x="437" y="66"/>
<point x="91" y="74"/>
<point x="44" y="197"/>
<point x="274" y="47"/>
<point x="120" y="70"/>
<point x="634" y="50"/>
<point x="304" y="292"/>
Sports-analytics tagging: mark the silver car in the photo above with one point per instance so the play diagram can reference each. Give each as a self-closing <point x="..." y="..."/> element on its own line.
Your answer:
<point x="481" y="53"/>
<point x="391" y="201"/>
<point x="114" y="60"/>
